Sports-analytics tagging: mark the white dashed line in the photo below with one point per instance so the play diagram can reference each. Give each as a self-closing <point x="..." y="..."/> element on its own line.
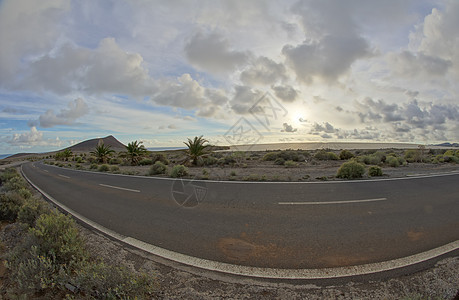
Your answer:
<point x="119" y="188"/>
<point x="332" y="202"/>
<point x="46" y="171"/>
<point x="63" y="176"/>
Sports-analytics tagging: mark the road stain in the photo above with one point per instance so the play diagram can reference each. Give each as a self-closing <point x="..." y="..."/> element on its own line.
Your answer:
<point x="242" y="249"/>
<point x="415" y="236"/>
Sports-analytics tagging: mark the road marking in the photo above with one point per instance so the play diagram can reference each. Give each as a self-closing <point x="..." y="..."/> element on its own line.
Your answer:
<point x="46" y="171"/>
<point x="332" y="202"/>
<point x="63" y="176"/>
<point x="273" y="273"/>
<point x="119" y="188"/>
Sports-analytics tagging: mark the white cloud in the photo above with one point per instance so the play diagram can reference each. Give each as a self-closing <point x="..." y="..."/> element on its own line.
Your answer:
<point x="264" y="71"/>
<point x="106" y="69"/>
<point x="77" y="109"/>
<point x="30" y="139"/>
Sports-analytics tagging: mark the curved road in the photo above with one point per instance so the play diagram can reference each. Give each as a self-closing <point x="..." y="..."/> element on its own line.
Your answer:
<point x="274" y="225"/>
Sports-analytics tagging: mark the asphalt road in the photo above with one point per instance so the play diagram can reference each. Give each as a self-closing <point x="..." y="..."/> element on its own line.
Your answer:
<point x="276" y="225"/>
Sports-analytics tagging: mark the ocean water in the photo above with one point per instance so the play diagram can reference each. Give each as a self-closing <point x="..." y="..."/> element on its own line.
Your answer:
<point x="2" y="156"/>
<point x="321" y="145"/>
<point x="165" y="148"/>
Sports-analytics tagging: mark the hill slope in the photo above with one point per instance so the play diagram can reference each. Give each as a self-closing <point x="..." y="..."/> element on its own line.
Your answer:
<point x="89" y="145"/>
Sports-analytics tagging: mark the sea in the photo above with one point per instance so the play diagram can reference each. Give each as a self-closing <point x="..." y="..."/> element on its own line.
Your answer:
<point x="322" y="145"/>
<point x="165" y="148"/>
<point x="2" y="156"/>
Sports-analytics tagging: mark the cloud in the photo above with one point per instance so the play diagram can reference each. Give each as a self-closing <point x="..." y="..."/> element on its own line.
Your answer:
<point x="288" y="128"/>
<point x="212" y="52"/>
<point x="326" y="59"/>
<point x="77" y="109"/>
<point x="31" y="139"/>
<point x="410" y="64"/>
<point x="332" y="41"/>
<point x="27" y="29"/>
<point x="370" y="110"/>
<point x="187" y="93"/>
<point x="106" y="69"/>
<point x="264" y="71"/>
<point x="244" y="98"/>
<point x="326" y="127"/>
<point x="287" y="93"/>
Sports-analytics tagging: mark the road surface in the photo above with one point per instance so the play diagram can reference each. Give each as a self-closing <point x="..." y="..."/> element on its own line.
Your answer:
<point x="268" y="225"/>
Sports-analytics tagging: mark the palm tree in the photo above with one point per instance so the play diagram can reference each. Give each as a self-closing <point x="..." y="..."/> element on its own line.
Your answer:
<point x="136" y="150"/>
<point x="102" y="152"/>
<point x="196" y="148"/>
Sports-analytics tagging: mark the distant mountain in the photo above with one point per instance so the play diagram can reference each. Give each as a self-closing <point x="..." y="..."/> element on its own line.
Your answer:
<point x="89" y="145"/>
<point x="448" y="145"/>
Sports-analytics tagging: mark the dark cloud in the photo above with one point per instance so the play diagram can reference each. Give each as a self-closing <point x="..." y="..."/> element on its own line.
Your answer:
<point x="244" y="98"/>
<point x="212" y="52"/>
<point x="264" y="71"/>
<point x="286" y="93"/>
<point x="288" y="128"/>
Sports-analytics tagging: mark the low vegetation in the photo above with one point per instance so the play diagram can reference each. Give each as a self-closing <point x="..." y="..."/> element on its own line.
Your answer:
<point x="158" y="168"/>
<point x="179" y="171"/>
<point x="52" y="260"/>
<point x="351" y="170"/>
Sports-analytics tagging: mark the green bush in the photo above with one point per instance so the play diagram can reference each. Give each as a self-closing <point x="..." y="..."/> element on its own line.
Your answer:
<point x="286" y="155"/>
<point x="271" y="156"/>
<point x="210" y="160"/>
<point x="324" y="155"/>
<point x="146" y="162"/>
<point x="114" y="169"/>
<point x="30" y="211"/>
<point x="350" y="170"/>
<point x="14" y="183"/>
<point x="279" y="161"/>
<point x="345" y="155"/>
<point x="374" y="171"/>
<point x="115" y="161"/>
<point x="393" y="161"/>
<point x="158" y="168"/>
<point x="179" y="171"/>
<point x="10" y="204"/>
<point x="290" y="164"/>
<point x="160" y="157"/>
<point x="56" y="236"/>
<point x="93" y="166"/>
<point x="103" y="168"/>
<point x="413" y="155"/>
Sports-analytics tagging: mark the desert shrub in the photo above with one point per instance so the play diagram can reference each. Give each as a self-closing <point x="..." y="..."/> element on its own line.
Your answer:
<point x="159" y="157"/>
<point x="14" y="183"/>
<point x="271" y="156"/>
<point x="279" y="161"/>
<point x="233" y="173"/>
<point x="350" y="170"/>
<point x="158" y="168"/>
<point x="449" y="153"/>
<point x="179" y="171"/>
<point x="210" y="160"/>
<point x="393" y="161"/>
<point x="24" y="193"/>
<point x="10" y="204"/>
<point x="374" y="171"/>
<point x="146" y="162"/>
<point x="345" y="155"/>
<point x="324" y="155"/>
<point x="456" y="153"/>
<point x="290" y="164"/>
<point x="413" y="155"/>
<point x="450" y="159"/>
<point x="30" y="211"/>
<point x="112" y="282"/>
<point x="93" y="166"/>
<point x="114" y="169"/>
<point x="57" y="237"/>
<point x="103" y="168"/>
<point x="115" y="161"/>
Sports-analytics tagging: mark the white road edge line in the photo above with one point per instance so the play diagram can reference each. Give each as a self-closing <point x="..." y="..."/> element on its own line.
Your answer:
<point x="272" y="273"/>
<point x="332" y="202"/>
<point x="63" y="176"/>
<point x="119" y="188"/>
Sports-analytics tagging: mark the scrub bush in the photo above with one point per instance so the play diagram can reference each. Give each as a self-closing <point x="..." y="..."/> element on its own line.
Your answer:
<point x="350" y="170"/>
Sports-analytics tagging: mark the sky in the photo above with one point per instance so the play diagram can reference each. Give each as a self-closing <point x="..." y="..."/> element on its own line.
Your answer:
<point x="236" y="72"/>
